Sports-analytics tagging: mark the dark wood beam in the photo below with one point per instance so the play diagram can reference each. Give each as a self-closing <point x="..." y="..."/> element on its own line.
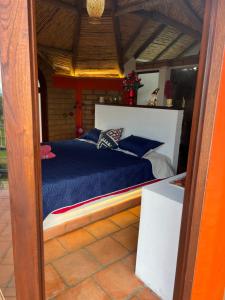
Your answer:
<point x="117" y="34"/>
<point x="168" y="47"/>
<point x="61" y="4"/>
<point x="76" y="38"/>
<point x="159" y="17"/>
<point x="185" y="6"/>
<point x="151" y="39"/>
<point x="185" y="61"/>
<point x="141" y="5"/>
<point x="185" y="51"/>
<point x="47" y="20"/>
<point x="134" y="36"/>
<point x="193" y="10"/>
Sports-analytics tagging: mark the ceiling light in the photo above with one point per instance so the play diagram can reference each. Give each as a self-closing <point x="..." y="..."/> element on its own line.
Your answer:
<point x="95" y="9"/>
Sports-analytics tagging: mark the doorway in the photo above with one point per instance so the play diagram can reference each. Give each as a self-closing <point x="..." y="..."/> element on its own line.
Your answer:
<point x="36" y="283"/>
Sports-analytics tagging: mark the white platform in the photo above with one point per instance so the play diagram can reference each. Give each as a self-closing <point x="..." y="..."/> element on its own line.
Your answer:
<point x="159" y="232"/>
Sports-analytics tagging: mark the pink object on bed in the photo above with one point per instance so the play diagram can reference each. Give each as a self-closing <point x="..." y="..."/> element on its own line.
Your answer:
<point x="46" y="152"/>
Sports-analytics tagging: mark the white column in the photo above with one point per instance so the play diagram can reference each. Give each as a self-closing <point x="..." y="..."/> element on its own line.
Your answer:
<point x="164" y="75"/>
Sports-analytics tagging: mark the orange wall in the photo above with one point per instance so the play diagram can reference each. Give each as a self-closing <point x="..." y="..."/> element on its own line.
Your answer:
<point x="209" y="279"/>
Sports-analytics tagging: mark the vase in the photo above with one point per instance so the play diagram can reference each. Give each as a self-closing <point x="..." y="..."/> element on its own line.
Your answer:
<point x="132" y="100"/>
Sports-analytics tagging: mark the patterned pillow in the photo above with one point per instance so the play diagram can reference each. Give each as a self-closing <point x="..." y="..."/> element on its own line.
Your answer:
<point x="109" y="138"/>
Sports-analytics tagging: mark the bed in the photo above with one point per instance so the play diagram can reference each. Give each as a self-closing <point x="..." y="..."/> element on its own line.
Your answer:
<point x="80" y="172"/>
<point x="82" y="179"/>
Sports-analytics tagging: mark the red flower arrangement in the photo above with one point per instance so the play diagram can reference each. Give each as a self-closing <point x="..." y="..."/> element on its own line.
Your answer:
<point x="131" y="84"/>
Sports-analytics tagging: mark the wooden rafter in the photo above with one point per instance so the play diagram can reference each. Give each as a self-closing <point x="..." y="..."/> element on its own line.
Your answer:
<point x="61" y="4"/>
<point x="76" y="38"/>
<point x="159" y="17"/>
<point x="185" y="6"/>
<point x="141" y="5"/>
<point x="167" y="47"/>
<point x="186" y="50"/>
<point x="135" y="35"/>
<point x="193" y="10"/>
<point x="151" y="39"/>
<point x="185" y="61"/>
<point x="48" y="20"/>
<point x="117" y="34"/>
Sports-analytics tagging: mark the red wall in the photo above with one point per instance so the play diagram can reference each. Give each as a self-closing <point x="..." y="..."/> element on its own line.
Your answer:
<point x="80" y="84"/>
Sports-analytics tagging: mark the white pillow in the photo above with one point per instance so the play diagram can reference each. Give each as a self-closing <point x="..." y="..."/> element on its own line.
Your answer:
<point x="161" y="165"/>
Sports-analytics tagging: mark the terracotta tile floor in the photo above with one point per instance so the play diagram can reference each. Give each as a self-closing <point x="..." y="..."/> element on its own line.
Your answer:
<point x="93" y="263"/>
<point x="6" y="257"/>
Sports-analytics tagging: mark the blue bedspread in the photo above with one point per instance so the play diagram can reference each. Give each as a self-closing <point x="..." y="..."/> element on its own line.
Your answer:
<point x="80" y="171"/>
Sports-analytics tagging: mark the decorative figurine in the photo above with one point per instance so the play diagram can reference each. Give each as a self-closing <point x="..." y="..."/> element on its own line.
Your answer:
<point x="153" y="99"/>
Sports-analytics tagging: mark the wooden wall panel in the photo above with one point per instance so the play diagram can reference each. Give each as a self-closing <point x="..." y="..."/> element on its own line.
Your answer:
<point x="89" y="98"/>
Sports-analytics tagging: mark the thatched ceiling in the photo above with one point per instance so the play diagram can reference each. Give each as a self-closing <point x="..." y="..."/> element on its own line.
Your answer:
<point x="148" y="30"/>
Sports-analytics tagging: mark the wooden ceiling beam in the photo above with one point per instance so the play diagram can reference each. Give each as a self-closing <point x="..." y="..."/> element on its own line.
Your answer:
<point x="151" y="39"/>
<point x="61" y="4"/>
<point x="117" y="34"/>
<point x="186" y="50"/>
<point x="141" y="5"/>
<point x="76" y="38"/>
<point x="159" y="17"/>
<point x="185" y="6"/>
<point x="48" y="20"/>
<point x="184" y="61"/>
<point x="167" y="47"/>
<point x="134" y="36"/>
<point x="193" y="10"/>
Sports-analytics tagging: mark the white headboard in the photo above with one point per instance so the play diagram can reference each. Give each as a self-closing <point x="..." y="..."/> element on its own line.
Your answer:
<point x="163" y="125"/>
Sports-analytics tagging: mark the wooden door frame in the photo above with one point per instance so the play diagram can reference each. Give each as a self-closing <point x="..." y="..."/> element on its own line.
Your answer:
<point x="206" y="97"/>
<point x="19" y="70"/>
<point x="18" y="58"/>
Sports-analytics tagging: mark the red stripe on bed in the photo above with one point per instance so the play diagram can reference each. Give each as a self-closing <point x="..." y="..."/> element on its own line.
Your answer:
<point x="67" y="208"/>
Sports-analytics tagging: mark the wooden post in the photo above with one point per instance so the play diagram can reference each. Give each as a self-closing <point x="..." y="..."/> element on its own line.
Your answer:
<point x="198" y="181"/>
<point x="19" y="76"/>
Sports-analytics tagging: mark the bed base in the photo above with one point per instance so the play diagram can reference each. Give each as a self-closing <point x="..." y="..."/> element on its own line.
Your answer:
<point x="56" y="225"/>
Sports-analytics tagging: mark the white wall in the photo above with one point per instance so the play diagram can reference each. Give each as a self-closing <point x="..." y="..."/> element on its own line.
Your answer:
<point x="164" y="75"/>
<point x="151" y="82"/>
